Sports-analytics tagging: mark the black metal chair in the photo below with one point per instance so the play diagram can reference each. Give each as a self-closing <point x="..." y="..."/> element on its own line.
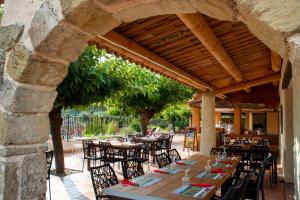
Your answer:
<point x="113" y="155"/>
<point x="146" y="150"/>
<point x="103" y="177"/>
<point x="174" y="155"/>
<point x="132" y="168"/>
<point x="255" y="187"/>
<point x="86" y="151"/>
<point x="162" y="160"/>
<point x="258" y="153"/>
<point x="215" y="151"/>
<point x="49" y="159"/>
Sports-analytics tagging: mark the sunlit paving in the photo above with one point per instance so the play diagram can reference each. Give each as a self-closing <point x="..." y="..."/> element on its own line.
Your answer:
<point x="149" y="100"/>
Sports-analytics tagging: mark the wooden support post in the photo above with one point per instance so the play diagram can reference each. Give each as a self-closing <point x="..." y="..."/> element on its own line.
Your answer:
<point x="218" y="117"/>
<point x="196" y="118"/>
<point x="247" y="124"/>
<point x="237" y="119"/>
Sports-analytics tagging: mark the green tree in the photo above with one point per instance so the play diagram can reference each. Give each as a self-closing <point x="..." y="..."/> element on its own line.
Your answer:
<point x="90" y="80"/>
<point x="176" y="112"/>
<point x="146" y="93"/>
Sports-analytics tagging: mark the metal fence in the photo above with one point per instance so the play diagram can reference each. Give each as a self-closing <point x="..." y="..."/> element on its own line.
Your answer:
<point x="76" y="125"/>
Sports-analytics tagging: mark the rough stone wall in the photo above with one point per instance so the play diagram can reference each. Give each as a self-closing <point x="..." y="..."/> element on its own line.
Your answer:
<point x="38" y="39"/>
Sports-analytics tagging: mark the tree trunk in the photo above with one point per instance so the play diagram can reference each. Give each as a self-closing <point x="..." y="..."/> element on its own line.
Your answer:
<point x="145" y="119"/>
<point x="173" y="126"/>
<point x="55" y="126"/>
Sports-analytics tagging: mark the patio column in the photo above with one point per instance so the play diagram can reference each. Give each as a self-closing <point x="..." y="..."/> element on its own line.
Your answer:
<point x="294" y="57"/>
<point x="237" y="119"/>
<point x="287" y="137"/>
<point x="208" y="133"/>
<point x="196" y="118"/>
<point x="218" y="117"/>
<point x="247" y="123"/>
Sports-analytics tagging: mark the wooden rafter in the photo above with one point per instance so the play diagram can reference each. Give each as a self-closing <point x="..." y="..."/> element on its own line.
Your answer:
<point x="276" y="61"/>
<point x="126" y="47"/>
<point x="198" y="25"/>
<point x="241" y="86"/>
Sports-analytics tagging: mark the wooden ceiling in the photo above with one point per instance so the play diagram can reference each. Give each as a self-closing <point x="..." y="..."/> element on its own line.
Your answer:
<point x="166" y="41"/>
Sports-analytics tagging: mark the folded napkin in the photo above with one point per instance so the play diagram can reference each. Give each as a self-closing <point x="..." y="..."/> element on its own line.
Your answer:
<point x="217" y="170"/>
<point x="160" y="171"/>
<point x="127" y="182"/>
<point x="201" y="184"/>
<point x="180" y="163"/>
<point x="225" y="162"/>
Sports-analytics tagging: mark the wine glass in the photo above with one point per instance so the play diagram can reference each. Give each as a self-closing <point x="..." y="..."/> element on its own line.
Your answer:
<point x="224" y="154"/>
<point x="207" y="167"/>
<point x="172" y="163"/>
<point x="218" y="158"/>
<point x="188" y="156"/>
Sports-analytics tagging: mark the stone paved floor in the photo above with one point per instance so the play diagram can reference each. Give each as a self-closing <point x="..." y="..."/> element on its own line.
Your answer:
<point x="78" y="185"/>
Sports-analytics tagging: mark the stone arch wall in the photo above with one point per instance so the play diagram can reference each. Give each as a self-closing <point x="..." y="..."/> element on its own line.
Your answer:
<point x="38" y="39"/>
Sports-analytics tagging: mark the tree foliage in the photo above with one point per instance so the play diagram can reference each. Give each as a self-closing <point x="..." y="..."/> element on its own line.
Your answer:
<point x="90" y="80"/>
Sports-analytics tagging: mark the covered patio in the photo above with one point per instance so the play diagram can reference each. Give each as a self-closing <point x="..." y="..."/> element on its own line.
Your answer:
<point x="242" y="57"/>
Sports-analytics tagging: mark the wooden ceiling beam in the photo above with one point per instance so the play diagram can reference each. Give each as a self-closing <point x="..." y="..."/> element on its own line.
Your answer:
<point x="276" y="61"/>
<point x="126" y="47"/>
<point x="248" y="90"/>
<point x="241" y="86"/>
<point x="198" y="25"/>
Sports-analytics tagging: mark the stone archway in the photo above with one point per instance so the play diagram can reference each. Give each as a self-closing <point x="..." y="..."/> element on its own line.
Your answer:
<point x="38" y="39"/>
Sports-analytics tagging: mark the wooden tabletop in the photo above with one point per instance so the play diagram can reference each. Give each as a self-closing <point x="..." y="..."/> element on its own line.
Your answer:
<point x="169" y="183"/>
<point x="147" y="139"/>
<point x="121" y="145"/>
<point x="274" y="149"/>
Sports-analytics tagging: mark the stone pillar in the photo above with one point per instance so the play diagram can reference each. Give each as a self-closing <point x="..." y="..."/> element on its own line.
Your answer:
<point x="294" y="57"/>
<point x="196" y="118"/>
<point x="237" y="119"/>
<point x="218" y="117"/>
<point x="208" y="132"/>
<point x="247" y="123"/>
<point x="287" y="137"/>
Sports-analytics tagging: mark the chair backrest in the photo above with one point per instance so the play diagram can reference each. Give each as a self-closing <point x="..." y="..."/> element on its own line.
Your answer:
<point x="256" y="140"/>
<point x="214" y="151"/>
<point x="146" y="148"/>
<point x="132" y="168"/>
<point x="49" y="159"/>
<point x="234" y="150"/>
<point x="170" y="141"/>
<point x="85" y="146"/>
<point x="259" y="152"/>
<point x="174" y="155"/>
<point x="162" y="160"/>
<point x="102" y="177"/>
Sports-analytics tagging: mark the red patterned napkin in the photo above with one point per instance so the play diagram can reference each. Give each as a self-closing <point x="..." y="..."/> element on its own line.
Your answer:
<point x="217" y="170"/>
<point x="180" y="163"/>
<point x="201" y="184"/>
<point x="160" y="171"/>
<point x="127" y="182"/>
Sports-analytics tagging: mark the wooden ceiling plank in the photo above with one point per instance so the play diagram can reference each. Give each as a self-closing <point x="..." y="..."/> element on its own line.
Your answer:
<point x="128" y="47"/>
<point x="204" y="33"/>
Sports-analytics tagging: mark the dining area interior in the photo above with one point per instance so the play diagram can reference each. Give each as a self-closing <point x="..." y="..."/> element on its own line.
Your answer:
<point x="151" y="167"/>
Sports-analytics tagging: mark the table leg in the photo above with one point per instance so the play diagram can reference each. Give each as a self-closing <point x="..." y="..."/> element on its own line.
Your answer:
<point x="275" y="168"/>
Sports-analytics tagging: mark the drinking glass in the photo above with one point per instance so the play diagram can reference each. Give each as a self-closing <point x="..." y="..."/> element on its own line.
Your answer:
<point x="224" y="154"/>
<point x="218" y="158"/>
<point x="188" y="156"/>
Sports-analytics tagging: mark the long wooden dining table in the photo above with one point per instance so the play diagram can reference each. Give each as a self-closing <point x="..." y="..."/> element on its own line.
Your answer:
<point x="164" y="189"/>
